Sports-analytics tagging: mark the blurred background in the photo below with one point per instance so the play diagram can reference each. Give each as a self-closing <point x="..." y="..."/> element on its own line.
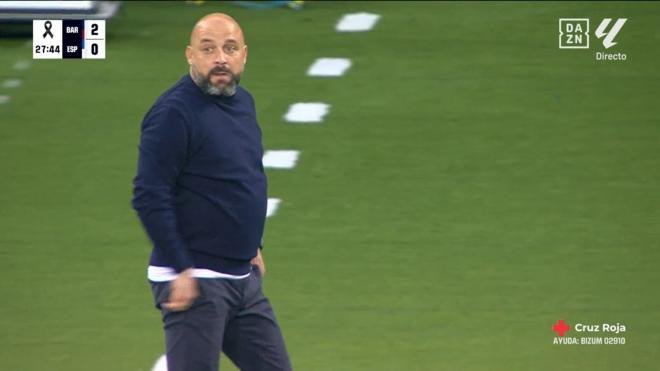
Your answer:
<point x="470" y="185"/>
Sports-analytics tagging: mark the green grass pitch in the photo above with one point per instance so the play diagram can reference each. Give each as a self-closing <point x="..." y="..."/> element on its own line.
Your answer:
<point x="471" y="185"/>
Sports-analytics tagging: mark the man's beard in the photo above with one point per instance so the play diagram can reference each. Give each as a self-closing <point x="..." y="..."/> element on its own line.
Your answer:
<point x="204" y="82"/>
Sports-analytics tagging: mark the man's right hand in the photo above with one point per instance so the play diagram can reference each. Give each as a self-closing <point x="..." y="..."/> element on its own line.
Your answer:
<point x="183" y="292"/>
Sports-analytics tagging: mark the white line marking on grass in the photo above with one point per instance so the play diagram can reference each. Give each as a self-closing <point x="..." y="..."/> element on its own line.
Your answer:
<point x="281" y="159"/>
<point x="161" y="364"/>
<point x="273" y="204"/>
<point x="307" y="112"/>
<point x="12" y="83"/>
<point x="329" y="67"/>
<point x="4" y="99"/>
<point x="21" y="65"/>
<point x="357" y="22"/>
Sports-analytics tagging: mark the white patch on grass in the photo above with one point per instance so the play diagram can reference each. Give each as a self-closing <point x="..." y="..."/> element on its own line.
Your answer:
<point x="161" y="364"/>
<point x="307" y="112"/>
<point x="11" y="83"/>
<point x="329" y="67"/>
<point x="281" y="159"/>
<point x="21" y="65"/>
<point x="273" y="204"/>
<point x="357" y="22"/>
<point x="4" y="99"/>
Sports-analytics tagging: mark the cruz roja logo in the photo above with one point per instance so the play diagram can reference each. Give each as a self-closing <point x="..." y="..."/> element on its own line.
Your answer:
<point x="589" y="334"/>
<point x="574" y="34"/>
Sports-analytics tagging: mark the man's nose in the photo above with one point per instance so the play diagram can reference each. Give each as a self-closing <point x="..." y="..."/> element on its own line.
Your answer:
<point x="220" y="58"/>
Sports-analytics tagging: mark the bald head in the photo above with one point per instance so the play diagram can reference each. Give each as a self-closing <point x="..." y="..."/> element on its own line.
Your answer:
<point x="218" y="22"/>
<point x="217" y="54"/>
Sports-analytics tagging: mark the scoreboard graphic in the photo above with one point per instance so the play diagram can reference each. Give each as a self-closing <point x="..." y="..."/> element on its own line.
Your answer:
<point x="68" y="39"/>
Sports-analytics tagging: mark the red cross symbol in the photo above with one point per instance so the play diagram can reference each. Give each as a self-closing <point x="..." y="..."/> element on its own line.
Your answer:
<point x="560" y="327"/>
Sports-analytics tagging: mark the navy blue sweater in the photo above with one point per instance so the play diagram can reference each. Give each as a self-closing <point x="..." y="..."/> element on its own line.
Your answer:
<point x="200" y="189"/>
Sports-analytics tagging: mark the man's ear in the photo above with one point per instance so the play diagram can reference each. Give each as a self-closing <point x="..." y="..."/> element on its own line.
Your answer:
<point x="189" y="54"/>
<point x="245" y="56"/>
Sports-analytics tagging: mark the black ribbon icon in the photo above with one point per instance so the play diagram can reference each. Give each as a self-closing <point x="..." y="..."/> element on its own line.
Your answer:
<point x="48" y="26"/>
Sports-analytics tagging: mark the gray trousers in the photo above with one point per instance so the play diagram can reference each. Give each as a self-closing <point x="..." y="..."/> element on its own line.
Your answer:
<point x="229" y="315"/>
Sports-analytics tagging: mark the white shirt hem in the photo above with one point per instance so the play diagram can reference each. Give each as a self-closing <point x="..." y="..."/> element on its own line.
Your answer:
<point x="165" y="274"/>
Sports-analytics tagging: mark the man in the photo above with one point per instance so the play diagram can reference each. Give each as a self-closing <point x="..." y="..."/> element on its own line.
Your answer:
<point x="200" y="192"/>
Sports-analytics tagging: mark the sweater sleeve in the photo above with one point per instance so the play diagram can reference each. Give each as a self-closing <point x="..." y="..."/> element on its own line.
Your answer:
<point x="162" y="155"/>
